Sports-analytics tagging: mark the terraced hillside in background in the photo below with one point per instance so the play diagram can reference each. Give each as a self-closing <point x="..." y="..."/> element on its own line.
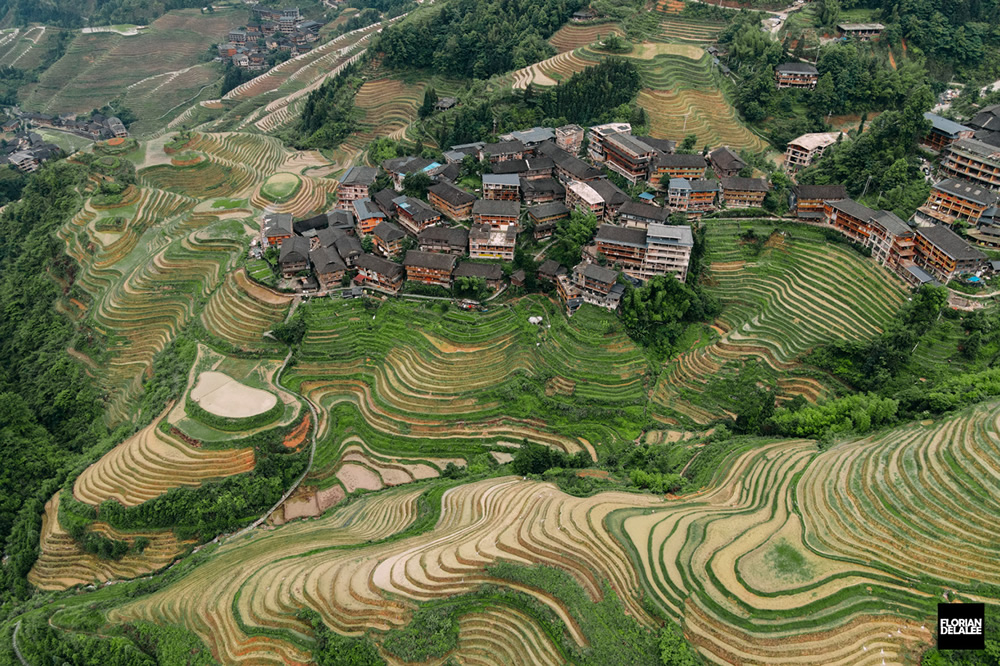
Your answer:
<point x="683" y="92"/>
<point x="160" y="71"/>
<point x="26" y="47"/>
<point x="777" y="306"/>
<point x="791" y="555"/>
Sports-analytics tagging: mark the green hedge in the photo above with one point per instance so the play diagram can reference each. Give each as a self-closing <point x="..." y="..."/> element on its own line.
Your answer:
<point x="229" y="424"/>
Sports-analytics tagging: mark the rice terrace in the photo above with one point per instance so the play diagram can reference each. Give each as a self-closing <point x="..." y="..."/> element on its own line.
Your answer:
<point x="495" y="332"/>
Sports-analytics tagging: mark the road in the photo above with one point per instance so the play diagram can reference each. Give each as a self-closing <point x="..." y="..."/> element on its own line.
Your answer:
<point x="17" y="650"/>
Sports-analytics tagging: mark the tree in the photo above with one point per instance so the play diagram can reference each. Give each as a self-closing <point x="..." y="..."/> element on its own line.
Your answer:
<point x="652" y="314"/>
<point x="430" y="99"/>
<point x="415" y="184"/>
<point x="674" y="650"/>
<point x="690" y="141"/>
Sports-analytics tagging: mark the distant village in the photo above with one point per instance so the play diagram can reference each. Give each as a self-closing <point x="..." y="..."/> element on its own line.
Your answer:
<point x="536" y="179"/>
<point x="267" y="31"/>
<point x="26" y="150"/>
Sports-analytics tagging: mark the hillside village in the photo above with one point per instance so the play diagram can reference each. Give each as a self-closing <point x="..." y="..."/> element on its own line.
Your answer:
<point x="268" y="32"/>
<point x="536" y="179"/>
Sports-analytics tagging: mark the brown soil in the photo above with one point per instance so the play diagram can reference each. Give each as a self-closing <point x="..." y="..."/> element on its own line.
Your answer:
<point x="297" y="436"/>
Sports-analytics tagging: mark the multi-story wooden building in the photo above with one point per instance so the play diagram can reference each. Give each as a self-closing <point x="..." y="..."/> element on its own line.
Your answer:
<point x="545" y="217"/>
<point x="485" y="242"/>
<point x="952" y="199"/>
<point x="598" y="136"/>
<point x="387" y="240"/>
<point x="414" y="215"/>
<point x="503" y="151"/>
<point x="379" y="273"/>
<point x="725" y="162"/>
<point x="809" y="201"/>
<point x="453" y="203"/>
<point x="849" y="218"/>
<point x="743" y="192"/>
<point x="641" y="215"/>
<point x="592" y="284"/>
<point x="368" y="215"/>
<point x="569" y="167"/>
<point x="429" y="267"/>
<point x="628" y="156"/>
<point x="796" y="75"/>
<point x="450" y="240"/>
<point x="541" y="191"/>
<point x="584" y="198"/>
<point x="668" y="251"/>
<point x="676" y="165"/>
<point x="277" y="228"/>
<point x="328" y="267"/>
<point x="623" y="247"/>
<point x="498" y="214"/>
<point x="801" y="152"/>
<point x="694" y="197"/>
<point x="944" y="132"/>
<point x="294" y="256"/>
<point x="891" y="241"/>
<point x="944" y="254"/>
<point x="612" y="196"/>
<point x="354" y="185"/>
<point x="503" y="187"/>
<point x="973" y="160"/>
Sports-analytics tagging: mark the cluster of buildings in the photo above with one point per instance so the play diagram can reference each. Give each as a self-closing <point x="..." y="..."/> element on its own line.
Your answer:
<point x="28" y="150"/>
<point x="268" y="30"/>
<point x="536" y="179"/>
<point x="96" y="126"/>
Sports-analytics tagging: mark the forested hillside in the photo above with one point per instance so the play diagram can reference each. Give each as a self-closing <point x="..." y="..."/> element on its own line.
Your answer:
<point x="477" y="38"/>
<point x="74" y="13"/>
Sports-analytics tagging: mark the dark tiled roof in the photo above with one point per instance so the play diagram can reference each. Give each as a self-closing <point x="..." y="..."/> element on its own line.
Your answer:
<point x="503" y="148"/>
<point x="379" y="265"/>
<point x="348" y="246"/>
<point x="455" y="236"/>
<point x="359" y="175"/>
<point x="796" y="68"/>
<point x="645" y="211"/>
<point x="745" y="184"/>
<point x="988" y="118"/>
<point x="610" y="233"/>
<point x="551" y="267"/>
<point x="487" y="271"/>
<point x="854" y="209"/>
<point x="294" y="250"/>
<point x="416" y="209"/>
<point x="676" y="160"/>
<point x="548" y="210"/>
<point x="329" y="236"/>
<point x="451" y="194"/>
<point x="537" y="186"/>
<point x="725" y="158"/>
<point x="949" y="242"/>
<point x="495" y="207"/>
<point x="384" y="200"/>
<point x="407" y="164"/>
<point x="510" y="166"/>
<point x="610" y="192"/>
<point x="892" y="223"/>
<point x="326" y="260"/>
<point x="966" y="190"/>
<point x="599" y="273"/>
<point x="703" y="185"/>
<point x="310" y="224"/>
<point x="662" y="145"/>
<point x="432" y="260"/>
<point x="388" y="232"/>
<point x="823" y="192"/>
<point x="564" y="160"/>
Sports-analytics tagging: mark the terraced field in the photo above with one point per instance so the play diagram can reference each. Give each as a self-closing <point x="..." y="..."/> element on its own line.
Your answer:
<point x="792" y="555"/>
<point x="161" y="64"/>
<point x="843" y="545"/>
<point x="241" y="311"/>
<point x="777" y="307"/>
<point x="573" y="35"/>
<point x="25" y="48"/>
<point x="326" y="566"/>
<point x="151" y="462"/>
<point x="435" y="388"/>
<point x="62" y="563"/>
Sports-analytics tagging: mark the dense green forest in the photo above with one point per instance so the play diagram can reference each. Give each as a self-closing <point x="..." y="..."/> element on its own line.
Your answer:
<point x="328" y="116"/>
<point x="476" y="38"/>
<point x="77" y="13"/>
<point x="603" y="93"/>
